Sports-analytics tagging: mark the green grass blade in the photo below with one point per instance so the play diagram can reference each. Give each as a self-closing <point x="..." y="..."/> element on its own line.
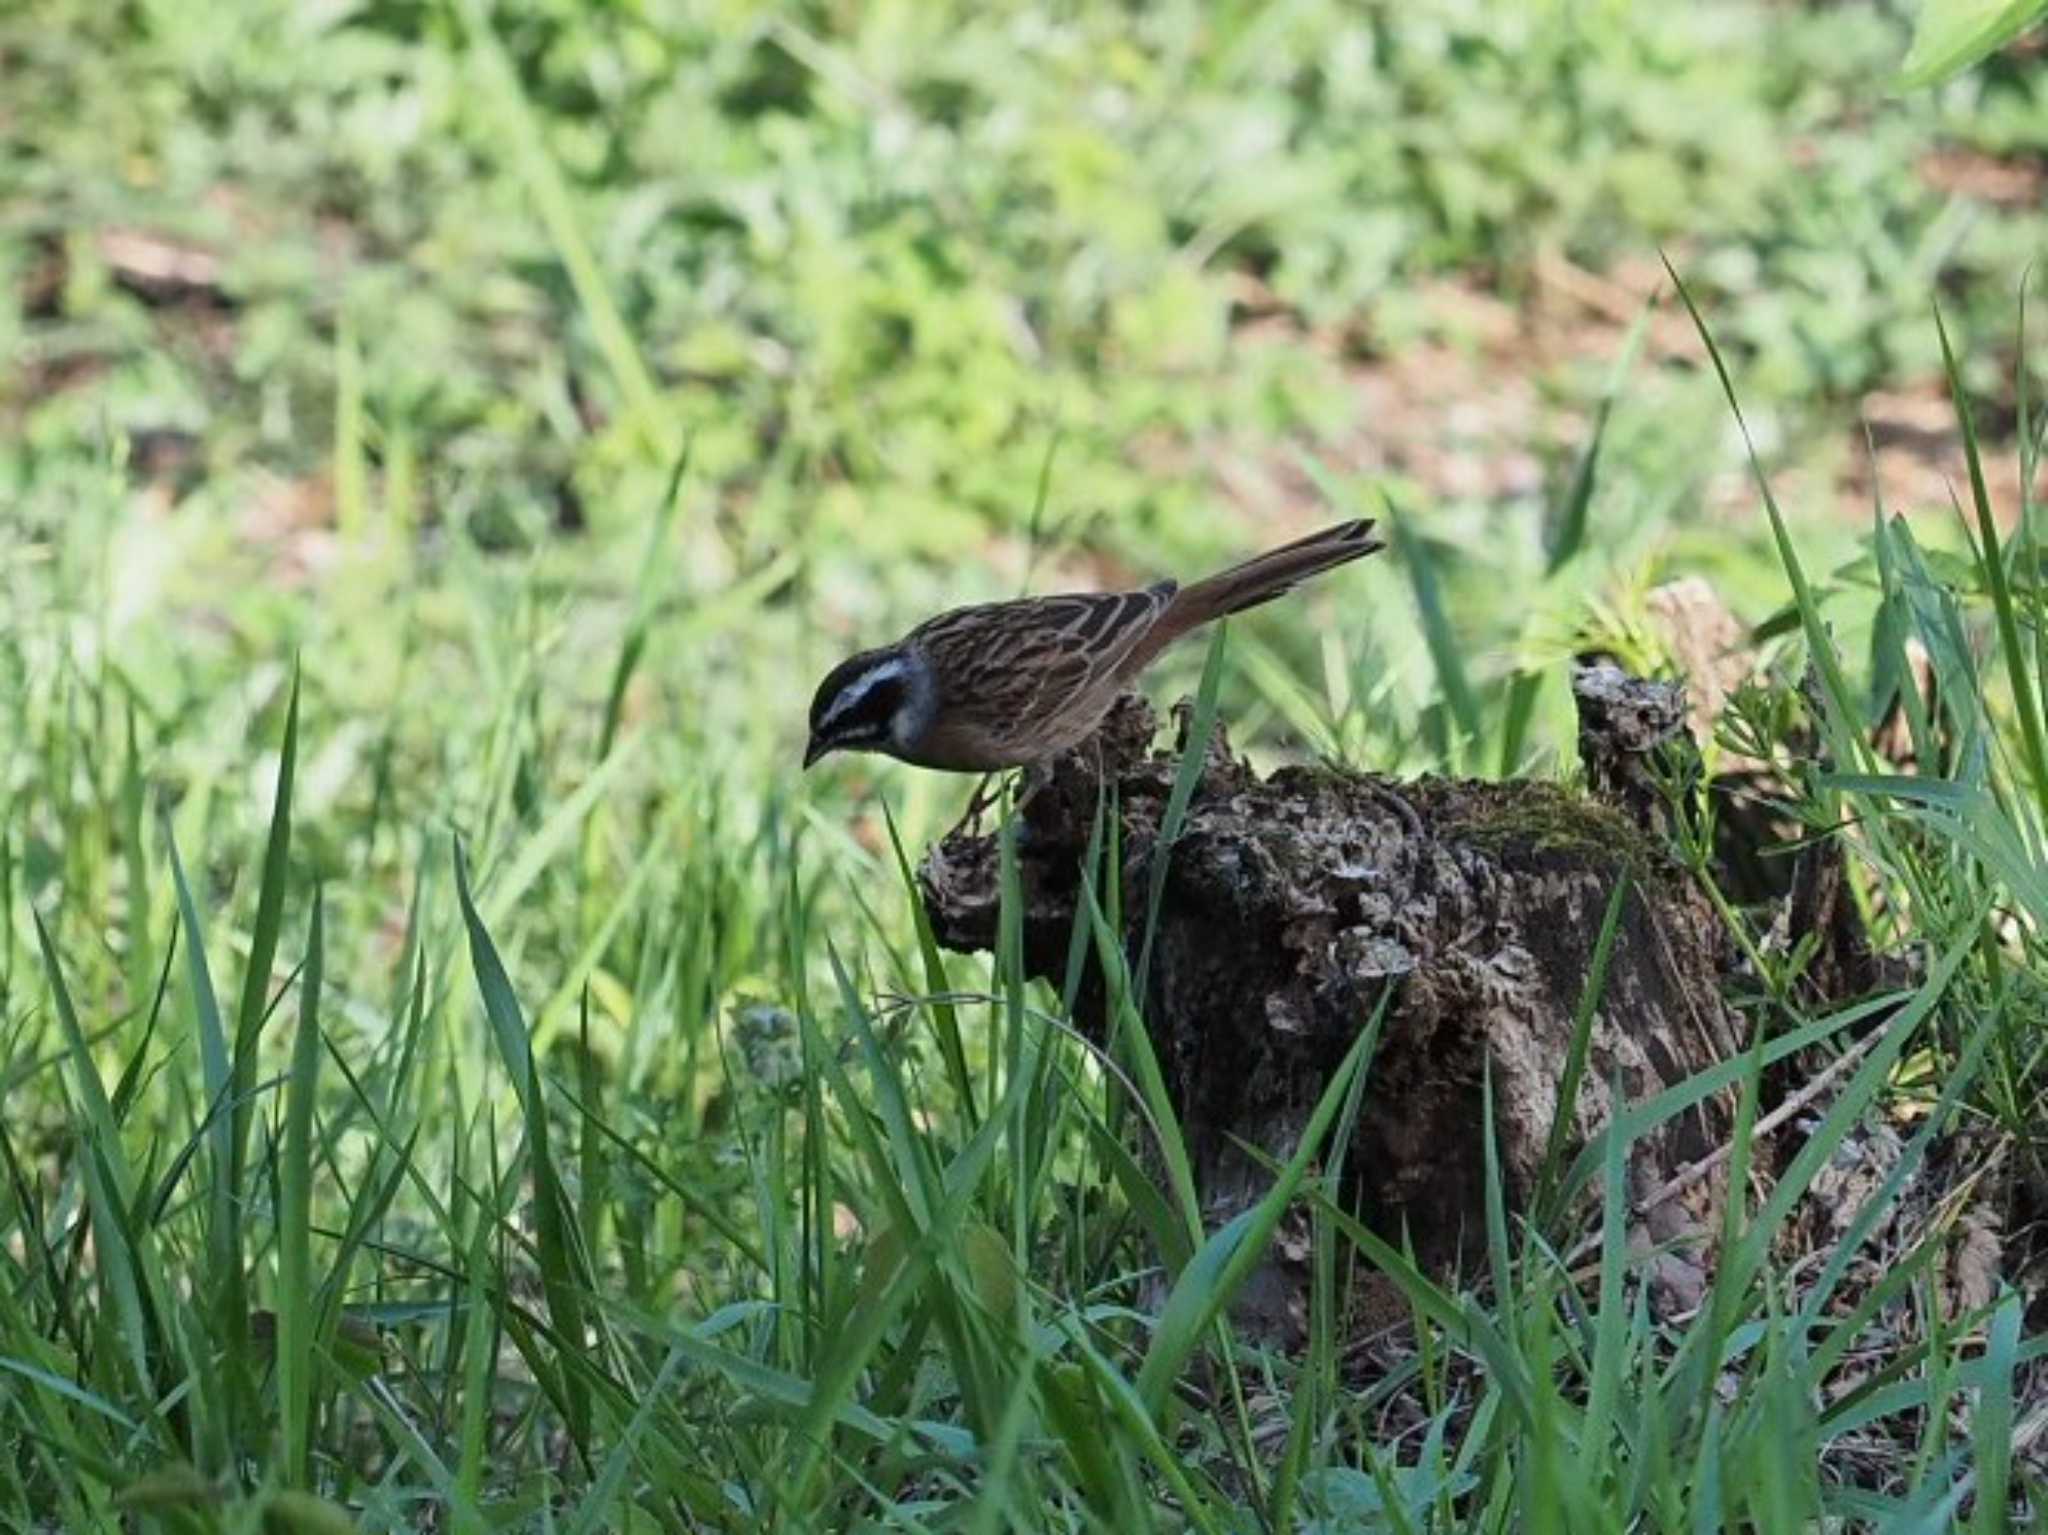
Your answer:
<point x="1951" y="35"/>
<point x="229" y="1298"/>
<point x="1500" y="1255"/>
<point x="479" y="1351"/>
<point x="1568" y="526"/>
<point x="565" y="223"/>
<point x="1701" y="1085"/>
<point x="1992" y="563"/>
<point x="1446" y="647"/>
<point x="135" y="860"/>
<point x="509" y="885"/>
<point x="1611" y="1320"/>
<point x="945" y="1017"/>
<point x="1848" y="744"/>
<point x="110" y="1187"/>
<point x="1131" y="1036"/>
<point x="1955" y="1086"/>
<point x="1741" y="1259"/>
<point x="1992" y="1423"/>
<point x="296" y="1298"/>
<point x="1167" y="1230"/>
<point x="1524" y="688"/>
<point x="634" y="645"/>
<point x="1226" y="1260"/>
<point x="249" y="1019"/>
<point x="563" y="1277"/>
<point x="91" y="1090"/>
<point x="1188" y="774"/>
<point x="1562" y="1120"/>
<point x="601" y="1505"/>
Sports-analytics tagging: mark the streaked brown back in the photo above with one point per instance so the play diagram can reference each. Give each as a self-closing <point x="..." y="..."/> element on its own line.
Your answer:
<point x="1024" y="680"/>
<point x="1027" y="678"/>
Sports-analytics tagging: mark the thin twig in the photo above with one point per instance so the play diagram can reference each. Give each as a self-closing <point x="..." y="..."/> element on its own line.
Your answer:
<point x="1687" y="1176"/>
<point x="1684" y="1179"/>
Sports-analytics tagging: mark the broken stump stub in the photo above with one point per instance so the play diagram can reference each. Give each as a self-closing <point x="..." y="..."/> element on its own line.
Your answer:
<point x="1294" y="906"/>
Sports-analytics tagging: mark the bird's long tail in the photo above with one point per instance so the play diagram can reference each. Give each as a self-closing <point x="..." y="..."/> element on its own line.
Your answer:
<point x="1272" y="574"/>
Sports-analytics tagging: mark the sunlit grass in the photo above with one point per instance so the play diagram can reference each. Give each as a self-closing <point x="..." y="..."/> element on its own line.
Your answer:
<point x="621" y="1144"/>
<point x="458" y="1073"/>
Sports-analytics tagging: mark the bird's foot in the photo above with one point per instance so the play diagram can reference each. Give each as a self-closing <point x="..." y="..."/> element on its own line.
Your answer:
<point x="988" y="793"/>
<point x="985" y="794"/>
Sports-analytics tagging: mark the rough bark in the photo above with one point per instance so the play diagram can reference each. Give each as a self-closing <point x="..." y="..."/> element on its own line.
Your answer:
<point x="1294" y="906"/>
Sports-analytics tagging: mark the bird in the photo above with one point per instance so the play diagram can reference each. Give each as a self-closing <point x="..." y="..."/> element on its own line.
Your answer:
<point x="1013" y="684"/>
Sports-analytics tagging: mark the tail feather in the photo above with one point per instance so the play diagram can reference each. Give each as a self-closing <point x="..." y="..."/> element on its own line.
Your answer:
<point x="1272" y="574"/>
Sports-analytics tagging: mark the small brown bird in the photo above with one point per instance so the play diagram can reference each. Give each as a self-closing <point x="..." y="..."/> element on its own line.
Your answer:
<point x="1012" y="684"/>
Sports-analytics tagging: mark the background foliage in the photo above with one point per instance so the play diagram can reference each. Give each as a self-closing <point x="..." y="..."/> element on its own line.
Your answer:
<point x="561" y="388"/>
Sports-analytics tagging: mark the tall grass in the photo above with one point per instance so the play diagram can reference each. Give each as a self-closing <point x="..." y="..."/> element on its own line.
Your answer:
<point x="655" y="1170"/>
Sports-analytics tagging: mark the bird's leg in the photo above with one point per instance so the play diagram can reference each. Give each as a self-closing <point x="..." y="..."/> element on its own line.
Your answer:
<point x="983" y="798"/>
<point x="1033" y="781"/>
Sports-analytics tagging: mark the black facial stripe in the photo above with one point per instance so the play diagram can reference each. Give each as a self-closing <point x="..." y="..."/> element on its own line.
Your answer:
<point x="859" y="705"/>
<point x="858" y="689"/>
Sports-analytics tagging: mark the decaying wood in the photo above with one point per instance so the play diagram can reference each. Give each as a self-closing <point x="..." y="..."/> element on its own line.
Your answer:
<point x="1296" y="905"/>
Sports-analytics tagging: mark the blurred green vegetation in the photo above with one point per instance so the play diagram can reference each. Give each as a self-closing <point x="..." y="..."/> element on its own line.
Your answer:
<point x="872" y="262"/>
<point x="868" y="258"/>
<point x="564" y="386"/>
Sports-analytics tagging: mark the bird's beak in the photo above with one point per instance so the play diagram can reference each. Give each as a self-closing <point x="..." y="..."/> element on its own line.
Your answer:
<point x="814" y="749"/>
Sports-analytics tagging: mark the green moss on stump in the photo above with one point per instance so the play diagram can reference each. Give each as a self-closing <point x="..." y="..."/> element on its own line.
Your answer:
<point x="1550" y="819"/>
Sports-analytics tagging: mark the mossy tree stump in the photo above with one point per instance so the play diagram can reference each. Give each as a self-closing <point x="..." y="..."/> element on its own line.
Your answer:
<point x="1294" y="906"/>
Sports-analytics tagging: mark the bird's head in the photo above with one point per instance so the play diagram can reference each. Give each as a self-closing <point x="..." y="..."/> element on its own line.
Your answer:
<point x="877" y="701"/>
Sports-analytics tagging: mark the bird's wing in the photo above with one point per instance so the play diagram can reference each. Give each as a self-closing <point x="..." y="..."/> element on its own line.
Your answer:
<point x="1013" y="665"/>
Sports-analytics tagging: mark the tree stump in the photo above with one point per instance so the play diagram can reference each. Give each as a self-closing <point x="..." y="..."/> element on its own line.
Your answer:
<point x="1294" y="905"/>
